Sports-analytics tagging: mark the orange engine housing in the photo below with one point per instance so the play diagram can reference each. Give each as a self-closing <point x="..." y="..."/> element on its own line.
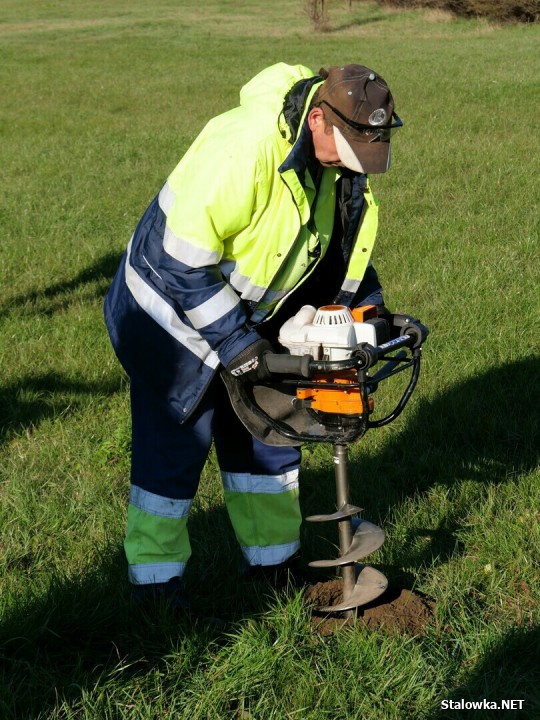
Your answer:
<point x="332" y="400"/>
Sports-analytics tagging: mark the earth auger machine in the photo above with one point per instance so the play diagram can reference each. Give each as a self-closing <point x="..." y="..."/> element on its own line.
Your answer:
<point x="321" y="390"/>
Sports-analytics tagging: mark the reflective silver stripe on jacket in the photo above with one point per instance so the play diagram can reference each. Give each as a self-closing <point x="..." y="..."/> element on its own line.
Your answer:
<point x="186" y="253"/>
<point x="349" y="285"/>
<point x="149" y="300"/>
<point x="214" y="308"/>
<point x="177" y="247"/>
<point x="245" y="287"/>
<point x="166" y="198"/>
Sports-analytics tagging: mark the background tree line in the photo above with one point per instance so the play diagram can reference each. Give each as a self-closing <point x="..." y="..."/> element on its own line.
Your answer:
<point x="499" y="10"/>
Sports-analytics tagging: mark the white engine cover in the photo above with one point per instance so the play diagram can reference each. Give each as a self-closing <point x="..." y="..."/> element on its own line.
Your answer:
<point x="329" y="333"/>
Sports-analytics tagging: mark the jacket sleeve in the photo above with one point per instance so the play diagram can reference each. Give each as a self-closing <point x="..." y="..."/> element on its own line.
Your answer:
<point x="210" y="196"/>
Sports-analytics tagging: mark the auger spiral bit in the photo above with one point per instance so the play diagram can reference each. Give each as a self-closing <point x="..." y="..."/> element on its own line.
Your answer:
<point x="361" y="583"/>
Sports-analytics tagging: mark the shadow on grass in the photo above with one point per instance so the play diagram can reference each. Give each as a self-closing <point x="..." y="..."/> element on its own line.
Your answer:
<point x="58" y="296"/>
<point x="485" y="429"/>
<point x="84" y="636"/>
<point x="28" y="401"/>
<point x="509" y="671"/>
<point x="24" y="403"/>
<point x="84" y="633"/>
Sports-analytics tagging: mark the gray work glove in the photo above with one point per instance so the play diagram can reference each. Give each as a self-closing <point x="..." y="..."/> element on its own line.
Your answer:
<point x="250" y="365"/>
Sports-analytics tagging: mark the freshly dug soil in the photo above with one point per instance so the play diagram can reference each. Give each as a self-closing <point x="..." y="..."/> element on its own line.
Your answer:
<point x="397" y="610"/>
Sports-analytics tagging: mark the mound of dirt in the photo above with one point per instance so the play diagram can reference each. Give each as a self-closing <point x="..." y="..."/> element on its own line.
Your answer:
<point x="397" y="610"/>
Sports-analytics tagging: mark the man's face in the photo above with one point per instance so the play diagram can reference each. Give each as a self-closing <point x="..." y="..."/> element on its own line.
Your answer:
<point x="323" y="139"/>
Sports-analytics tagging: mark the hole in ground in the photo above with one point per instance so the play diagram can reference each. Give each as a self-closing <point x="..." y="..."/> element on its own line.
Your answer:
<point x="396" y="610"/>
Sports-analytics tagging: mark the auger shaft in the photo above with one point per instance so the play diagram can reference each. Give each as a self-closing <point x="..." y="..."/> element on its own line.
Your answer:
<point x="361" y="583"/>
<point x="348" y="572"/>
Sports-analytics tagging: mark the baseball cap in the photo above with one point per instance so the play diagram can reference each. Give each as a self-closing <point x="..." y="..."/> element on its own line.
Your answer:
<point x="358" y="103"/>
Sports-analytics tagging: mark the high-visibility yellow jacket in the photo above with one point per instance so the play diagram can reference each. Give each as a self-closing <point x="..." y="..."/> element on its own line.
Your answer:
<point x="237" y="226"/>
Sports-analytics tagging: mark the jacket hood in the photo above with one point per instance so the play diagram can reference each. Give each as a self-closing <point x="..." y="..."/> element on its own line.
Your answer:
<point x="272" y="84"/>
<point x="285" y="91"/>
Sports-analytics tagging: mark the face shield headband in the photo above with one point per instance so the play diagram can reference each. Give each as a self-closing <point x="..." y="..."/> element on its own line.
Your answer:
<point x="379" y="133"/>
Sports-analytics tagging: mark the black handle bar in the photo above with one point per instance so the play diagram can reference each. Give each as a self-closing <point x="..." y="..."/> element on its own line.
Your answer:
<point x="285" y="364"/>
<point x="363" y="357"/>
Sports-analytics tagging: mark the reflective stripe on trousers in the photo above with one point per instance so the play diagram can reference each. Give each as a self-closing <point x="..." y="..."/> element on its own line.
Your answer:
<point x="260" y="486"/>
<point x="264" y="509"/>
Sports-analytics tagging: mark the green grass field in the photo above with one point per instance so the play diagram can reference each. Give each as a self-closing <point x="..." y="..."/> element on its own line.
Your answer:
<point x="99" y="101"/>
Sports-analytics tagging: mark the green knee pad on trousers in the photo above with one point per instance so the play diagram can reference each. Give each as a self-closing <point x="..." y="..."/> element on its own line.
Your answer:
<point x="267" y="526"/>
